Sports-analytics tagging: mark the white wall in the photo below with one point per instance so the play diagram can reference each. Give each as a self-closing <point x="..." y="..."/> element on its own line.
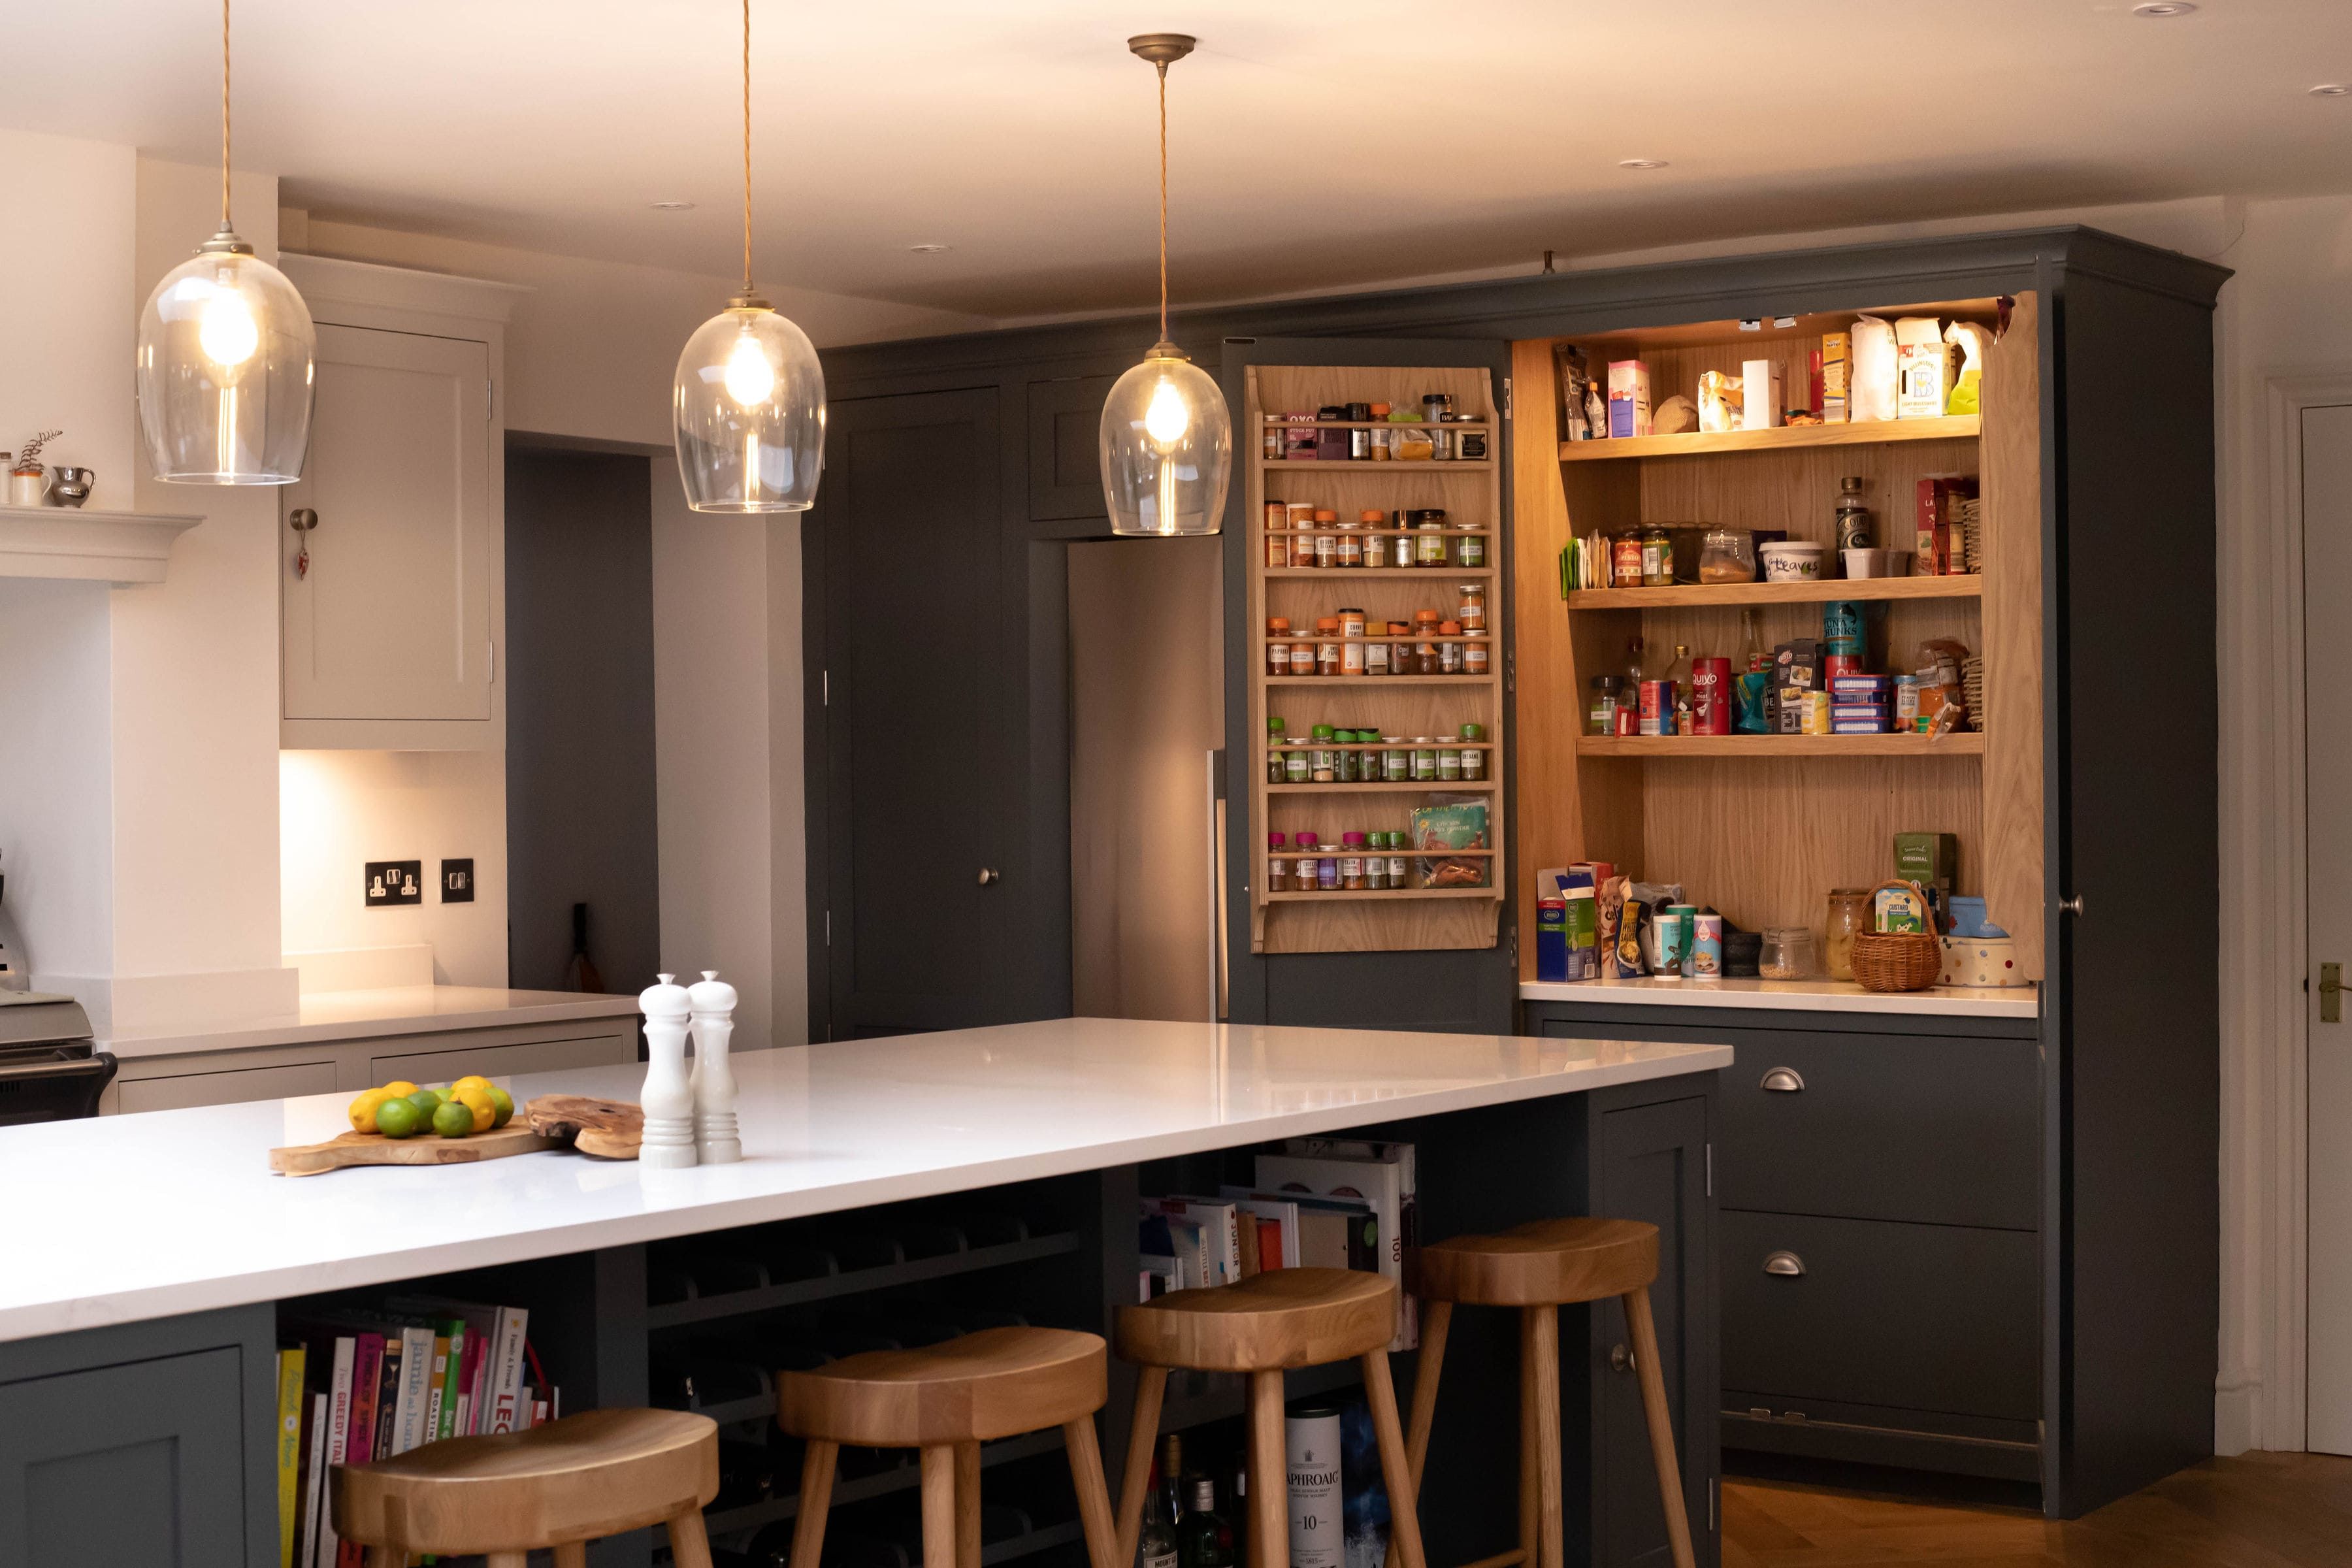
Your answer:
<point x="56" y="845"/>
<point x="69" y="340"/>
<point x="338" y="810"/>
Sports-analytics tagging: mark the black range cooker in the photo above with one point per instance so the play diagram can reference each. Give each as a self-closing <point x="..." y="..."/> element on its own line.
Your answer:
<point x="48" y="1071"/>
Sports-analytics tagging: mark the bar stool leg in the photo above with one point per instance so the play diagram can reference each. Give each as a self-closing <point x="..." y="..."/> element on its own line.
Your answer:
<point x="816" y="1501"/>
<point x="1651" y="1373"/>
<point x="572" y="1555"/>
<point x="1530" y="1443"/>
<point x="1094" y="1494"/>
<point x="386" y="1557"/>
<point x="1142" y="1432"/>
<point x="1435" y="1323"/>
<point x="1405" y="1504"/>
<point x="507" y="1559"/>
<point x="1269" y="1463"/>
<point x="938" y="1506"/>
<point x="689" y="1546"/>
<point x="1543" y="1375"/>
<point x="967" y="1505"/>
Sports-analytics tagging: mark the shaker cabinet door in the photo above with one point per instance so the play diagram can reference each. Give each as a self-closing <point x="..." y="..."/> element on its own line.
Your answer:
<point x="389" y="618"/>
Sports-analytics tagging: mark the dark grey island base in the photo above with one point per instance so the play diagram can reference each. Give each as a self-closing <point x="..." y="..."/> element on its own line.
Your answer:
<point x="150" y="1442"/>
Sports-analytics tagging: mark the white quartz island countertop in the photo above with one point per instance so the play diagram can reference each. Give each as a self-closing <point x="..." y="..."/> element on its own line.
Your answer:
<point x="125" y="1217"/>
<point x="380" y="1013"/>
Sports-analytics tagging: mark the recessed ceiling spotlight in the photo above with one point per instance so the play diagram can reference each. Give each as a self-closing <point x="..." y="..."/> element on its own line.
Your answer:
<point x="2161" y="8"/>
<point x="928" y="250"/>
<point x="2333" y="90"/>
<point x="1642" y="163"/>
<point x="672" y="206"/>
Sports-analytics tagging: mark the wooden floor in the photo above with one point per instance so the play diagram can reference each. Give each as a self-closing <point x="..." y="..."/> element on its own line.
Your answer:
<point x="2257" y="1510"/>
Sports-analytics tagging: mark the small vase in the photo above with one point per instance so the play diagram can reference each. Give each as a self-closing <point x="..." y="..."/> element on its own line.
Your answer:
<point x="28" y="489"/>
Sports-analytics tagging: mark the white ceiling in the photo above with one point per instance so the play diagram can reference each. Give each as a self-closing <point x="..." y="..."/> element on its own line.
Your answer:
<point x="1314" y="143"/>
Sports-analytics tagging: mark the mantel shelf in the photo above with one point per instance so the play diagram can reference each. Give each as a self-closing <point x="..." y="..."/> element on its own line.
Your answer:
<point x="118" y="547"/>
<point x="1699" y="444"/>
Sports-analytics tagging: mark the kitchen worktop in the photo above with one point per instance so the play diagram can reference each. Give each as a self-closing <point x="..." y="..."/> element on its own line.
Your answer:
<point x="130" y="1217"/>
<point x="1793" y="995"/>
<point x="387" y="1011"/>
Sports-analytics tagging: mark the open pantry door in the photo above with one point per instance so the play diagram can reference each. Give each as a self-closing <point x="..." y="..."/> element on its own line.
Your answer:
<point x="1437" y="953"/>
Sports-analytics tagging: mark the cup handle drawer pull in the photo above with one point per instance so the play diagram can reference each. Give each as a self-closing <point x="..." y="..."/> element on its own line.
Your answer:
<point x="1783" y="1080"/>
<point x="1787" y="1264"/>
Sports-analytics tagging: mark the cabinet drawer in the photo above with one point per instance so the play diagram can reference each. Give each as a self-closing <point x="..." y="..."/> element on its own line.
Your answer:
<point x="180" y="1090"/>
<point x="1921" y="1317"/>
<point x="501" y="1061"/>
<point x="1937" y="1131"/>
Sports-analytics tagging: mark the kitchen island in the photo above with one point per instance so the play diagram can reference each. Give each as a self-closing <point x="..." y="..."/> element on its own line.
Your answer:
<point x="152" y="1254"/>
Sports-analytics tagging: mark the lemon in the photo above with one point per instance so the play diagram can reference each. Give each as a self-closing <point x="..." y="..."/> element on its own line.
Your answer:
<point x="478" y="1101"/>
<point x="426" y="1100"/>
<point x="362" y="1110"/>
<point x="504" y="1103"/>
<point x="399" y="1088"/>
<point x="398" y="1118"/>
<point x="472" y="1080"/>
<point x="452" y="1119"/>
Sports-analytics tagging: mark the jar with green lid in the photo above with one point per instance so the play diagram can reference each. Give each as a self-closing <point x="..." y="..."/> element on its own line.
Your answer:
<point x="1349" y="769"/>
<point x="1425" y="758"/>
<point x="1274" y="743"/>
<point x="1470" y="548"/>
<point x="1297" y="765"/>
<point x="1396" y="860"/>
<point x="1474" y="752"/>
<point x="1396" y="760"/>
<point x="1326" y="766"/>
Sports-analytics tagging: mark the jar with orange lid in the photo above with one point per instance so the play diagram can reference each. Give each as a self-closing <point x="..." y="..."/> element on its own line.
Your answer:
<point x="1302" y="658"/>
<point x="1349" y="550"/>
<point x="1326" y="646"/>
<point x="1327" y="537"/>
<point x="1277" y="645"/>
<point x="1277" y="533"/>
<point x="1424" y="648"/>
<point x="1381" y="434"/>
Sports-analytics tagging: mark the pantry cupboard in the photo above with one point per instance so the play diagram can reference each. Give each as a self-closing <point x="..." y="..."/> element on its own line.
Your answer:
<point x="2062" y="1159"/>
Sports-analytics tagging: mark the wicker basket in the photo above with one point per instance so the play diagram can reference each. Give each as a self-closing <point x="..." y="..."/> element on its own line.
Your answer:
<point x="1899" y="961"/>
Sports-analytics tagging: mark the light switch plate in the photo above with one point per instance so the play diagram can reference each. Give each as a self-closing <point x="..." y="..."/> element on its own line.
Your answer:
<point x="458" y="881"/>
<point x="391" y="884"/>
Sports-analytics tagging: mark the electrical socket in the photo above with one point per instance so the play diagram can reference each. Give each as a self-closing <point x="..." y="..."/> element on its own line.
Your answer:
<point x="391" y="884"/>
<point x="458" y="881"/>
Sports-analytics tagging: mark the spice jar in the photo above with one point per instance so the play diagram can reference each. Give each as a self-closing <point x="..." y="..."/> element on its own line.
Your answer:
<point x="1787" y="953"/>
<point x="1359" y="441"/>
<point x="1376" y="656"/>
<point x="1327" y="764"/>
<point x="1274" y="742"/>
<point x="1727" y="555"/>
<point x="1278" y="648"/>
<point x="1302" y="658"/>
<point x="1396" y="860"/>
<point x="1396" y="761"/>
<point x="1449" y="648"/>
<point x="1429" y="536"/>
<point x="1327" y="874"/>
<point x="1449" y="764"/>
<point x="1425" y="758"/>
<point x="1297" y="765"/>
<point x="1327" y="538"/>
<point x="1470" y="446"/>
<point x="1277" y="864"/>
<point x="1270" y="444"/>
<point x="1849" y="915"/>
<point x="1470" y="606"/>
<point x="1657" y="557"/>
<point x="1474" y="751"/>
<point x="1326" y="646"/>
<point x="1440" y="443"/>
<point x="1376" y="546"/>
<point x="1343" y="757"/>
<point x="1351" y="861"/>
<point x="1476" y="660"/>
<point x="1303" y="870"/>
<point x="1424" y="651"/>
<point x="1349" y="548"/>
<point x="1376" y="868"/>
<point x="1436" y="407"/>
<point x="1470" y="546"/>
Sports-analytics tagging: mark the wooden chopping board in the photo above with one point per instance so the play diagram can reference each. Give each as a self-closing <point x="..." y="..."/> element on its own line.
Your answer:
<point x="608" y="1129"/>
<point x="375" y="1149"/>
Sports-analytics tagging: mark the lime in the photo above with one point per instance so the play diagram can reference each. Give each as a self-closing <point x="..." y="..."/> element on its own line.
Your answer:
<point x="478" y="1100"/>
<point x="398" y="1119"/>
<point x="426" y="1100"/>
<point x="452" y="1119"/>
<point x="504" y="1104"/>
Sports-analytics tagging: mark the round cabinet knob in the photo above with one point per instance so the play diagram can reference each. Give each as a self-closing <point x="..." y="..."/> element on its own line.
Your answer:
<point x="987" y="876"/>
<point x="2073" y="906"/>
<point x="302" y="519"/>
<point x="1619" y="1359"/>
<point x="1783" y="1080"/>
<point x="1786" y="1263"/>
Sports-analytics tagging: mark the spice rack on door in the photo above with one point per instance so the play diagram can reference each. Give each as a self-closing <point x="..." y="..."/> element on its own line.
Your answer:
<point x="1470" y="492"/>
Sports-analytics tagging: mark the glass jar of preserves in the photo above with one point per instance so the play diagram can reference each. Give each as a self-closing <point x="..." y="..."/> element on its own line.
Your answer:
<point x="1429" y="536"/>
<point x="1657" y="557"/>
<point x="1470" y="606"/>
<point x="1849" y="915"/>
<point x="1449" y="648"/>
<point x="1625" y="561"/>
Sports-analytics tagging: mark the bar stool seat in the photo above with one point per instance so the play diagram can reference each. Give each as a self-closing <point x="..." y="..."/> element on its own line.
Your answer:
<point x="947" y="1400"/>
<point x="1537" y="1268"/>
<point x="554" y="1487"/>
<point x="1260" y="1326"/>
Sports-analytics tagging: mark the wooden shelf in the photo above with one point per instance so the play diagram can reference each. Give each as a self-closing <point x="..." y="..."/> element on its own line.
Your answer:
<point x="1346" y="895"/>
<point x="1378" y="425"/>
<point x="1365" y="466"/>
<point x="1412" y="786"/>
<point x="1360" y="531"/>
<point x="1733" y="595"/>
<point x="1785" y="437"/>
<point x="854" y="1281"/>
<point x="1436" y="742"/>
<point x="1376" y="574"/>
<point x="1963" y="743"/>
<point x="1487" y="680"/>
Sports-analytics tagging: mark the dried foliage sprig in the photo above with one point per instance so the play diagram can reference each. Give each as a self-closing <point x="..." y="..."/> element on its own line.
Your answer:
<point x="29" y="461"/>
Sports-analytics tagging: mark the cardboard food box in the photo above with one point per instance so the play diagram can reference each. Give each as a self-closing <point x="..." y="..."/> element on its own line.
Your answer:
<point x="1629" y="398"/>
<point x="1837" y="365"/>
<point x="1759" y="391"/>
<point x="1925" y="367"/>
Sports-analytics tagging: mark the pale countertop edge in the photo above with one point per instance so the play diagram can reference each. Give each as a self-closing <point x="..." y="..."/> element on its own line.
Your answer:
<point x="179" y="1298"/>
<point x="1802" y="995"/>
<point x="330" y="1015"/>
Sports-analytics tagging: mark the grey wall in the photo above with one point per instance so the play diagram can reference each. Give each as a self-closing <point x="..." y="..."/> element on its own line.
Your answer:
<point x="579" y="665"/>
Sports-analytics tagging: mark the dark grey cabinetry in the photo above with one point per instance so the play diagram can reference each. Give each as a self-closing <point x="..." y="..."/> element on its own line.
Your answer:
<point x="145" y="1444"/>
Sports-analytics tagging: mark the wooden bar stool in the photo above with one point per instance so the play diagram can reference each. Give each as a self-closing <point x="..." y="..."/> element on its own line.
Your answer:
<point x="947" y="1400"/>
<point x="1539" y="1268"/>
<point x="1288" y="1317"/>
<point x="556" y="1487"/>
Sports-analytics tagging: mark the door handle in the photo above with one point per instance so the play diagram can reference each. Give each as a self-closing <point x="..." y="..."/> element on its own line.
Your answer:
<point x="987" y="876"/>
<point x="2331" y="992"/>
<point x="302" y="519"/>
<point x="1788" y="1264"/>
<point x="1782" y="1081"/>
<point x="1619" y="1359"/>
<point x="2073" y="906"/>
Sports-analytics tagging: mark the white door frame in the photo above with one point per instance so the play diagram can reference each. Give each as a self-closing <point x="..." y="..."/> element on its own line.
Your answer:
<point x="2265" y="1174"/>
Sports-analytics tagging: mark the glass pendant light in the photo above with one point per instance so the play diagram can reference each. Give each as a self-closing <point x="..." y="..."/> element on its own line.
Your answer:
<point x="1166" y="442"/>
<point x="225" y="359"/>
<point x="749" y="395"/>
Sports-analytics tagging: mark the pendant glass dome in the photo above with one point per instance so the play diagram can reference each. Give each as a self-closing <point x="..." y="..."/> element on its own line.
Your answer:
<point x="749" y="402"/>
<point x="226" y="355"/>
<point x="1167" y="448"/>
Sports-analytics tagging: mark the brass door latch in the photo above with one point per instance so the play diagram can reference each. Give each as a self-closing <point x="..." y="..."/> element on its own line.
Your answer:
<point x="2331" y="992"/>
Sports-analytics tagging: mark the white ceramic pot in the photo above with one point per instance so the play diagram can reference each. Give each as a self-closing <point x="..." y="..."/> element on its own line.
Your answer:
<point x="28" y="489"/>
<point x="1792" y="560"/>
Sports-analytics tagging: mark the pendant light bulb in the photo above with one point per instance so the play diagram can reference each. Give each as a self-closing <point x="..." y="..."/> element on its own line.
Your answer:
<point x="747" y="401"/>
<point x="1166" y="440"/>
<point x="227" y="359"/>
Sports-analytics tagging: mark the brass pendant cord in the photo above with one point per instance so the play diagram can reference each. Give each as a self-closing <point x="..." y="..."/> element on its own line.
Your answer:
<point x="223" y="116"/>
<point x="1163" y="200"/>
<point x="747" y="147"/>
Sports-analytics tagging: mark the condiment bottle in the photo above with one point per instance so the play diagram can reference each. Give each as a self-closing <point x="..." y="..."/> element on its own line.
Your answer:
<point x="1853" y="525"/>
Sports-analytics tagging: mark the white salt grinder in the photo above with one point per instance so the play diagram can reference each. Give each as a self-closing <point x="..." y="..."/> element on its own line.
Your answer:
<point x="668" y="1098"/>
<point x="715" y="1134"/>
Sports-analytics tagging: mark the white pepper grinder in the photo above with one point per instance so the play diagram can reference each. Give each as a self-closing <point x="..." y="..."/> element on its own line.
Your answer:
<point x="716" y="1138"/>
<point x="668" y="1098"/>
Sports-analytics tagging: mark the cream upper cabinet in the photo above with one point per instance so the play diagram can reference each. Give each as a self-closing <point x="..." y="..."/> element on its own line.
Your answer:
<point x="390" y="579"/>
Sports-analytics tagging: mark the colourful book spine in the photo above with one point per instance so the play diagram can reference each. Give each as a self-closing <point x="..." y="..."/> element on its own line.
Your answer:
<point x="387" y="1396"/>
<point x="452" y="1381"/>
<point x="289" y="1447"/>
<point x="314" y="1481"/>
<point x="339" y="1432"/>
<point x="507" y="1369"/>
<point x="436" y="1388"/>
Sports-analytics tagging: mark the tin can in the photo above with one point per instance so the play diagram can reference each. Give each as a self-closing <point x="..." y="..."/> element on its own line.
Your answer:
<point x="1711" y="697"/>
<point x="1685" y="935"/>
<point x="1842" y="627"/>
<point x="1707" y="948"/>
<point x="1669" y="928"/>
<point x="1836" y="664"/>
<point x="1657" y="707"/>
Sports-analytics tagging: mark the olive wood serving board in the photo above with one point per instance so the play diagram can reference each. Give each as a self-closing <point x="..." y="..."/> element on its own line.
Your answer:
<point x="608" y="1129"/>
<point x="425" y="1149"/>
